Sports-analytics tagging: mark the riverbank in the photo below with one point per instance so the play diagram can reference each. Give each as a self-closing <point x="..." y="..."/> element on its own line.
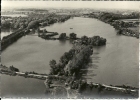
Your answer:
<point x="118" y="21"/>
<point x="58" y="81"/>
<point x="13" y="37"/>
<point x="9" y="71"/>
<point x="72" y="93"/>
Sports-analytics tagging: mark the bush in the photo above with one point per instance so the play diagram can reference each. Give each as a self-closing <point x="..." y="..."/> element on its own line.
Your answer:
<point x="73" y="36"/>
<point x="33" y="24"/>
<point x="62" y="36"/>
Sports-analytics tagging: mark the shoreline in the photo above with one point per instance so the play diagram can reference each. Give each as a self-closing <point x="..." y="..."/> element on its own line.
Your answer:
<point x="95" y="86"/>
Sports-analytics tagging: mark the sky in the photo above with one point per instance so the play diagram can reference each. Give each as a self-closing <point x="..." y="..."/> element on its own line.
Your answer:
<point x="134" y="5"/>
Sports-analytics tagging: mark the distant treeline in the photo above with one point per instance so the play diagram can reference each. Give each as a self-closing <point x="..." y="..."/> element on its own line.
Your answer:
<point x="31" y="21"/>
<point x="116" y="20"/>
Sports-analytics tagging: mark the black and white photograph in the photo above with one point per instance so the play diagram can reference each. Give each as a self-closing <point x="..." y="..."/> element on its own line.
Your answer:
<point x="69" y="49"/>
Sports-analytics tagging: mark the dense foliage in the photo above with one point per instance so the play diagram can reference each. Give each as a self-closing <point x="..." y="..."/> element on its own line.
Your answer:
<point x="62" y="36"/>
<point x="12" y="68"/>
<point x="94" y="41"/>
<point x="71" y="61"/>
<point x="120" y="21"/>
<point x="73" y="36"/>
<point x="32" y="20"/>
<point x="80" y="60"/>
<point x="33" y="24"/>
<point x="59" y="68"/>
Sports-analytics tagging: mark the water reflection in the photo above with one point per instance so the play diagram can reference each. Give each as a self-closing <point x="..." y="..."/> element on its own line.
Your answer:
<point x="63" y="41"/>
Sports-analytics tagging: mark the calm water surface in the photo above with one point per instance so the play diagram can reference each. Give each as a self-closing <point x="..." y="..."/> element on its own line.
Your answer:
<point x="116" y="63"/>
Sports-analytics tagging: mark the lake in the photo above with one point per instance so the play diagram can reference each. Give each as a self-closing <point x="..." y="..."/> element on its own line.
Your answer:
<point x="116" y="63"/>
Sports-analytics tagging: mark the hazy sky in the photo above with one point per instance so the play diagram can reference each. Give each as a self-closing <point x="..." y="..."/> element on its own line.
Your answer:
<point x="73" y="4"/>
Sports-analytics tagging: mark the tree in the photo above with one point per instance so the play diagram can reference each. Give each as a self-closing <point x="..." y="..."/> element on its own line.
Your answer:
<point x="62" y="36"/>
<point x="84" y="40"/>
<point x="44" y="31"/>
<point x="79" y="60"/>
<point x="12" y="68"/>
<point x="52" y="63"/>
<point x="33" y="24"/>
<point x="72" y="36"/>
<point x="91" y="86"/>
<point x="119" y="31"/>
<point x="5" y="24"/>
